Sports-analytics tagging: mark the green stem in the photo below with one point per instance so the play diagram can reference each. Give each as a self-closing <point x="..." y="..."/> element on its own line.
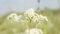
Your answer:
<point x="27" y="26"/>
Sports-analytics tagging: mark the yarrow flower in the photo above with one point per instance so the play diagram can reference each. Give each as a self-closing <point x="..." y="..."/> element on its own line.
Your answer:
<point x="43" y="17"/>
<point x="34" y="31"/>
<point x="30" y="12"/>
<point x="39" y="18"/>
<point x="13" y="17"/>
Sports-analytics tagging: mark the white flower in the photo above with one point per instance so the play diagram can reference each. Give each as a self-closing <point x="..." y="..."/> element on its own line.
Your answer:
<point x="30" y="12"/>
<point x="34" y="31"/>
<point x="43" y="17"/>
<point x="39" y="18"/>
<point x="13" y="17"/>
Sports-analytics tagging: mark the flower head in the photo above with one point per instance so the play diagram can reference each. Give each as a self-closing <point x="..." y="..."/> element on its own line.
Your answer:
<point x="30" y="12"/>
<point x="39" y="18"/>
<point x="34" y="31"/>
<point x="13" y="17"/>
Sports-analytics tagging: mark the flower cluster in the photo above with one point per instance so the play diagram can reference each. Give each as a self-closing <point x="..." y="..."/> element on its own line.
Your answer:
<point x="34" y="31"/>
<point x="30" y="13"/>
<point x="30" y="16"/>
<point x="14" y="17"/>
<point x="39" y="18"/>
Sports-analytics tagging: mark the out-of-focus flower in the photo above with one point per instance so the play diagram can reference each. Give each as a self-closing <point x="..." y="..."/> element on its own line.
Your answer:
<point x="43" y="17"/>
<point x="39" y="18"/>
<point x="34" y="31"/>
<point x="30" y="12"/>
<point x="13" y="17"/>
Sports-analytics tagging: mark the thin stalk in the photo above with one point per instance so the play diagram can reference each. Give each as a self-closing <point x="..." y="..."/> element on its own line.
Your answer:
<point x="27" y="26"/>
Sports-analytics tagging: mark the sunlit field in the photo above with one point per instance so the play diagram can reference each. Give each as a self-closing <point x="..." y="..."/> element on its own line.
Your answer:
<point x="31" y="22"/>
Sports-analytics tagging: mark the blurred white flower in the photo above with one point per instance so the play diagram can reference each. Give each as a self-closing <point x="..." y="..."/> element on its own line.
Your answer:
<point x="34" y="31"/>
<point x="13" y="17"/>
<point x="30" y="12"/>
<point x="35" y="19"/>
<point x="39" y="18"/>
<point x="43" y="17"/>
